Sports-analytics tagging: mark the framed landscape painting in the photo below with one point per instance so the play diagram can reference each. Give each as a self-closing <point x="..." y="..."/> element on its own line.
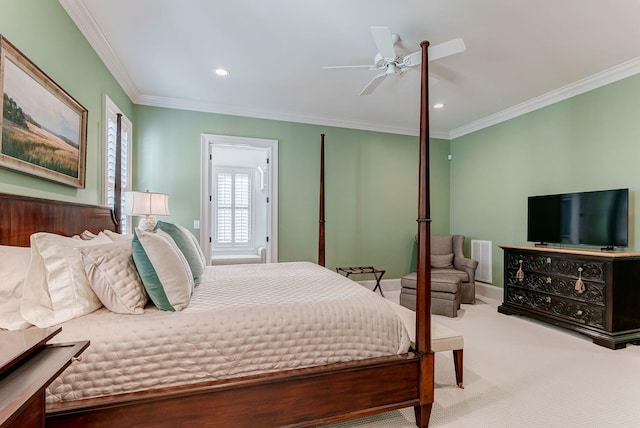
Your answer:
<point x="44" y="130"/>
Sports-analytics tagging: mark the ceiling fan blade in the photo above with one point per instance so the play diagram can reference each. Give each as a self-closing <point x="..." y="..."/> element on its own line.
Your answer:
<point x="384" y="41"/>
<point x="371" y="86"/>
<point x="451" y="47"/>
<point x="442" y="50"/>
<point x="413" y="59"/>
<point x="348" y="66"/>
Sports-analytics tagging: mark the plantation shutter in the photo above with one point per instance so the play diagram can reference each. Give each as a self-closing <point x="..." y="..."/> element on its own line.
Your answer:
<point x="225" y="208"/>
<point x="233" y="200"/>
<point x="111" y="121"/>
<point x="241" y="212"/>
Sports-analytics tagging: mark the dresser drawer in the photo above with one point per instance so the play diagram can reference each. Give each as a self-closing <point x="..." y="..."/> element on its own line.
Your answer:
<point x="558" y="265"/>
<point x="594" y="292"/>
<point x="567" y="309"/>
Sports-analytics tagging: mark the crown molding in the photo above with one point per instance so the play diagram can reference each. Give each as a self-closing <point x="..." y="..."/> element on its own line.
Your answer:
<point x="613" y="74"/>
<point x="438" y="133"/>
<point x="181" y="104"/>
<point x="89" y="28"/>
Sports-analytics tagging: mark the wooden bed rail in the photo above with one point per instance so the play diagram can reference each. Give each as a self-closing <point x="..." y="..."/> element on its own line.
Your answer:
<point x="301" y="398"/>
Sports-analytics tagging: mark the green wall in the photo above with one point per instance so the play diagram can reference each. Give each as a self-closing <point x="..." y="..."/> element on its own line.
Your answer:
<point x="42" y="30"/>
<point x="588" y="142"/>
<point x="371" y="178"/>
<point x="370" y="183"/>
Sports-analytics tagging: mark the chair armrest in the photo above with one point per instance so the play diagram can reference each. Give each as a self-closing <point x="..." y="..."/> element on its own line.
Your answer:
<point x="467" y="265"/>
<point x="470" y="263"/>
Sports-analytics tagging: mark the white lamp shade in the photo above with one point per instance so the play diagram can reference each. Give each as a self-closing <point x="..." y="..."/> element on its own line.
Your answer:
<point x="146" y="203"/>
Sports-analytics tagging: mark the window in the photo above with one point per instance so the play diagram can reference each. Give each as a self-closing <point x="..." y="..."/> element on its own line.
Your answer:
<point x="111" y="121"/>
<point x="232" y="222"/>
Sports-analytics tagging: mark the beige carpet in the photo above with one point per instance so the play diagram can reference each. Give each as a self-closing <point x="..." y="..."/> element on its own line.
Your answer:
<point x="522" y="373"/>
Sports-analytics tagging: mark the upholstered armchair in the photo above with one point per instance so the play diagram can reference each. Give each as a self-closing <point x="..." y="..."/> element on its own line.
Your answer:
<point x="447" y="258"/>
<point x="452" y="277"/>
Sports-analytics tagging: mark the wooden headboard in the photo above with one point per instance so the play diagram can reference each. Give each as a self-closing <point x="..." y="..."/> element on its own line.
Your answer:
<point x="20" y="216"/>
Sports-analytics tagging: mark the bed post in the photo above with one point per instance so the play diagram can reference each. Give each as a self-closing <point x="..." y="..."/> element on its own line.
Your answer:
<point x="423" y="298"/>
<point x="321" y="261"/>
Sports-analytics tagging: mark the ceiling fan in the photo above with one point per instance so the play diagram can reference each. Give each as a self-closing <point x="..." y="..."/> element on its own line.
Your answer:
<point x="389" y="62"/>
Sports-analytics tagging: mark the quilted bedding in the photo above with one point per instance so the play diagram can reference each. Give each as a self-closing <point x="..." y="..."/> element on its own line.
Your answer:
<point x="242" y="320"/>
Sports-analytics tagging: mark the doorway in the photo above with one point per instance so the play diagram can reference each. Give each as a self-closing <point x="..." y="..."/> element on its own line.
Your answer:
<point x="239" y="207"/>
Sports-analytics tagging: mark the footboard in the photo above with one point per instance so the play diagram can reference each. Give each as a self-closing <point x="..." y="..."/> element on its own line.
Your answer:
<point x="303" y="397"/>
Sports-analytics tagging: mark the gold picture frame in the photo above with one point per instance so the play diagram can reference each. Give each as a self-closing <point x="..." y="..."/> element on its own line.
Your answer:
<point x="44" y="129"/>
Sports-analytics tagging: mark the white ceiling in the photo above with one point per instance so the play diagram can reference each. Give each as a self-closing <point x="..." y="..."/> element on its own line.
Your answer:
<point x="521" y="55"/>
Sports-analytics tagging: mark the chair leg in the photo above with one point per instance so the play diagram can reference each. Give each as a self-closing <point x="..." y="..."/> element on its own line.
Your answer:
<point x="457" y="363"/>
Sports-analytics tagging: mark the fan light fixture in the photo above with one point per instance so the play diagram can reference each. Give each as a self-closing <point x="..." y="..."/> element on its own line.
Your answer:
<point x="146" y="204"/>
<point x="222" y="72"/>
<point x="389" y="62"/>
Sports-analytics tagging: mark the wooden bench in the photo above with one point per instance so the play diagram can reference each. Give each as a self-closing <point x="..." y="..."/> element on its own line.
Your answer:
<point x="442" y="338"/>
<point x="445" y="339"/>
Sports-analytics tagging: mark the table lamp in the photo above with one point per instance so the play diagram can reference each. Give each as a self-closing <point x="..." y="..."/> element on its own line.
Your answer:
<point x="146" y="204"/>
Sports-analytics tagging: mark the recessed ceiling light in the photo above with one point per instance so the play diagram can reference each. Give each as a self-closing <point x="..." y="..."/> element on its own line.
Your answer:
<point x="222" y="72"/>
<point x="438" y="105"/>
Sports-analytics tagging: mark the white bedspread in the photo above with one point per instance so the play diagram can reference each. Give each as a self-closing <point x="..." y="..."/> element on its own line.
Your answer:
<point x="242" y="320"/>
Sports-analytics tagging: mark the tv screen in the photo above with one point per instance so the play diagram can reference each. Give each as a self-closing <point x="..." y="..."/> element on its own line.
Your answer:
<point x="584" y="218"/>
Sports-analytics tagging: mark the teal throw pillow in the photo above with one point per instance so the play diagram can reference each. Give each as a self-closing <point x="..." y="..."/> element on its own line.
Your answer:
<point x="188" y="245"/>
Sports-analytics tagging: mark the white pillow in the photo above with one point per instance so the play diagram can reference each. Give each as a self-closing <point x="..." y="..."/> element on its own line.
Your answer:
<point x="165" y="273"/>
<point x="14" y="262"/>
<point x="85" y="236"/>
<point x="114" y="236"/>
<point x="56" y="288"/>
<point x="113" y="277"/>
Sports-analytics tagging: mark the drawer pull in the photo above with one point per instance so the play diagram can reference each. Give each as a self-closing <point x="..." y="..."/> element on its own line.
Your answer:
<point x="548" y="280"/>
<point x="519" y="297"/>
<point x="520" y="273"/>
<point x="548" y="260"/>
<point x="579" y="284"/>
<point x="579" y="313"/>
<point x="548" y="299"/>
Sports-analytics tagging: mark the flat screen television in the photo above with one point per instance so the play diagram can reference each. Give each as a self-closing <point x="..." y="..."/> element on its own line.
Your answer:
<point x="599" y="218"/>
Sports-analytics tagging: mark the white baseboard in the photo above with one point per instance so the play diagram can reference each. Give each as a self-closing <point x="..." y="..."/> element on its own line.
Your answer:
<point x="482" y="289"/>
<point x="490" y="291"/>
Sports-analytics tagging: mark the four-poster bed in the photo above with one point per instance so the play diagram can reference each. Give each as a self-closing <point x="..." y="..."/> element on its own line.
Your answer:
<point x="299" y="397"/>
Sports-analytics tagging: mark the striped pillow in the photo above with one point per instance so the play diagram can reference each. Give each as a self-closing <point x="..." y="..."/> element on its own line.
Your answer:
<point x="188" y="245"/>
<point x="164" y="271"/>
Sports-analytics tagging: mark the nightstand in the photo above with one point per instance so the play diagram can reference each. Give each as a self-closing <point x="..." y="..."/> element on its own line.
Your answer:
<point x="27" y="366"/>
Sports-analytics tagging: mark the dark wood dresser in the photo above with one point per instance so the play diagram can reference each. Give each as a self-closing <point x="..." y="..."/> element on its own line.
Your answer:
<point x="596" y="293"/>
<point x="27" y="366"/>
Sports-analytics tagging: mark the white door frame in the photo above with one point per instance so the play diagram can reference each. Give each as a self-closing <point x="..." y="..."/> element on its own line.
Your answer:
<point x="205" y="176"/>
